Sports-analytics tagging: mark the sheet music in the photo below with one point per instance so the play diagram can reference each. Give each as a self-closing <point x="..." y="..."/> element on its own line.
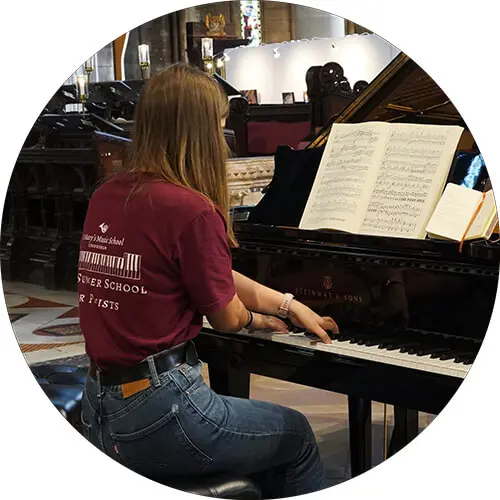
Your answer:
<point x="336" y="200"/>
<point x="411" y="177"/>
<point x="380" y="178"/>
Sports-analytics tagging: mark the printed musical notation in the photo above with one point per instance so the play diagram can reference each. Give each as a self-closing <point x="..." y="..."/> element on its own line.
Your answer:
<point x="409" y="167"/>
<point x="381" y="178"/>
<point x="342" y="180"/>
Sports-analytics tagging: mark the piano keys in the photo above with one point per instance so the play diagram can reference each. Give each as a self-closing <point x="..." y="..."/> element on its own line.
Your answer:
<point x="432" y="355"/>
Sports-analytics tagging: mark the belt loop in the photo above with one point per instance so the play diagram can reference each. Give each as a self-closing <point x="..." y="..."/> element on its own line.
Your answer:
<point x="100" y="393"/>
<point x="99" y="384"/>
<point x="154" y="372"/>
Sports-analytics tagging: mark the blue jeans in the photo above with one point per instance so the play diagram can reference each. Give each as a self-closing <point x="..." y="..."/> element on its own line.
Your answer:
<point x="180" y="427"/>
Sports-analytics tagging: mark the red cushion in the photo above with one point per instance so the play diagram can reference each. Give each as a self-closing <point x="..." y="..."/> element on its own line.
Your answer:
<point x="265" y="137"/>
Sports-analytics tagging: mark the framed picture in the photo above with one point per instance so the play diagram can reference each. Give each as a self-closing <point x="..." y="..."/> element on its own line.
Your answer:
<point x="288" y="97"/>
<point x="251" y="95"/>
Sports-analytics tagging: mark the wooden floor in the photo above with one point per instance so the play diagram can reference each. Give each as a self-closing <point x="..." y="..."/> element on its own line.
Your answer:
<point x="46" y="326"/>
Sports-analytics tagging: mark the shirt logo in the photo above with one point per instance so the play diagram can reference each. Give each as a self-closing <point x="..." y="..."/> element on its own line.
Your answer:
<point x="104" y="227"/>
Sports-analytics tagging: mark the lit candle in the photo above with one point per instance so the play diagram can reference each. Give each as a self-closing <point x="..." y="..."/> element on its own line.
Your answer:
<point x="82" y="87"/>
<point x="143" y="53"/>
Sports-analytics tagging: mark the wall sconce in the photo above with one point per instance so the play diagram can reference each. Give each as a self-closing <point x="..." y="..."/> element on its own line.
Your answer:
<point x="90" y="65"/>
<point x="276" y="53"/>
<point x="144" y="60"/>
<point x="82" y="88"/>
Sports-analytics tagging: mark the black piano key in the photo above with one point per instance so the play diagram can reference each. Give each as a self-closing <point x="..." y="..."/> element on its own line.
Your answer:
<point x="342" y="338"/>
<point x="396" y="346"/>
<point x="465" y="356"/>
<point x="370" y="339"/>
<point x="448" y="355"/>
<point x="372" y="342"/>
<point x="383" y="344"/>
<point x="411" y="346"/>
<point x="425" y="351"/>
<point x="360" y="339"/>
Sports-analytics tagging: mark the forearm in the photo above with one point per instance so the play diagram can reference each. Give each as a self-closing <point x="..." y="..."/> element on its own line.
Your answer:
<point x="257" y="297"/>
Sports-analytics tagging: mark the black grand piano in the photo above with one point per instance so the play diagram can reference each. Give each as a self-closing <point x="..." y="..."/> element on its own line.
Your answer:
<point x="412" y="313"/>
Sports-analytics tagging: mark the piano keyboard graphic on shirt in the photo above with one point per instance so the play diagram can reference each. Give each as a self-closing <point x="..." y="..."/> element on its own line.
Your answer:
<point x="128" y="266"/>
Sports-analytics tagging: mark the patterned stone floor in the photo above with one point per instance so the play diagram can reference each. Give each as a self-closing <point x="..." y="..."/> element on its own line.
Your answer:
<point x="46" y="327"/>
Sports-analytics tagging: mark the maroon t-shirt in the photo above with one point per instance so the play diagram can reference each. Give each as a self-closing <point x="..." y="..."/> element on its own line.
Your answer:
<point x="148" y="269"/>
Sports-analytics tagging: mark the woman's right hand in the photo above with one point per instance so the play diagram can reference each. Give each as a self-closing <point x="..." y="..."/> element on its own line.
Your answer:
<point x="265" y="323"/>
<point x="300" y="315"/>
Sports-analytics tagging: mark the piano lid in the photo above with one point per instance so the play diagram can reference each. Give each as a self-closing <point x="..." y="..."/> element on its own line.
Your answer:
<point x="226" y="86"/>
<point x="402" y="92"/>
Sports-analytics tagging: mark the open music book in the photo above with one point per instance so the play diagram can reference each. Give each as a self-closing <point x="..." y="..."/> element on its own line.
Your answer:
<point x="463" y="214"/>
<point x="381" y="179"/>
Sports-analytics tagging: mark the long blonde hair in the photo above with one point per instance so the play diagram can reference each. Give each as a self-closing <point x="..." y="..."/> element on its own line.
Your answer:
<point x="178" y="137"/>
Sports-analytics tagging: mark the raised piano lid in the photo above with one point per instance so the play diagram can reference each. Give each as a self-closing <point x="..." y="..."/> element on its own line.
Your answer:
<point x="402" y="92"/>
<point x="226" y="86"/>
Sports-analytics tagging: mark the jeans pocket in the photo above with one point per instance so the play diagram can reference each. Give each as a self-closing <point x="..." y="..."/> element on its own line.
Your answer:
<point x="163" y="446"/>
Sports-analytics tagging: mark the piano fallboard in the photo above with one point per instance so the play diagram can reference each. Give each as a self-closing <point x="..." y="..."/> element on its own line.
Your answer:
<point x="375" y="284"/>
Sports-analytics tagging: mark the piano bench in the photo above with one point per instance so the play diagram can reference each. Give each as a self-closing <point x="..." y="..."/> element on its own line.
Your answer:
<point x="229" y="486"/>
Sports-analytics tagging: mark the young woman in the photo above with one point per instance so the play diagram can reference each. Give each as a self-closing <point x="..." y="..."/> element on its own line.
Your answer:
<point x="155" y="258"/>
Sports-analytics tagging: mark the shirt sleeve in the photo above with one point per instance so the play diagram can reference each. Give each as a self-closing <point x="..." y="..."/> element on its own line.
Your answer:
<point x="205" y="262"/>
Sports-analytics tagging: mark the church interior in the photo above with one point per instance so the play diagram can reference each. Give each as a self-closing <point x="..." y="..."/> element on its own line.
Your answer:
<point x="293" y="76"/>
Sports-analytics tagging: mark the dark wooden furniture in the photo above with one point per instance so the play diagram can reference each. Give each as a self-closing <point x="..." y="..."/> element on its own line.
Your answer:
<point x="330" y="92"/>
<point x="48" y="195"/>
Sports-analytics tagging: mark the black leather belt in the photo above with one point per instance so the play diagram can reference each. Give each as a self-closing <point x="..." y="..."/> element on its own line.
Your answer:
<point x="164" y="361"/>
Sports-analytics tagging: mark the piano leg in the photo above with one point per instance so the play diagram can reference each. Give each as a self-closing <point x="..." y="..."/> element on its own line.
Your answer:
<point x="229" y="381"/>
<point x="405" y="429"/>
<point x="360" y="434"/>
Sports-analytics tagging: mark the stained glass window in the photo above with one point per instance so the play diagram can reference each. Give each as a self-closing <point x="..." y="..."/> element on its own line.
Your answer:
<point x="250" y="21"/>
